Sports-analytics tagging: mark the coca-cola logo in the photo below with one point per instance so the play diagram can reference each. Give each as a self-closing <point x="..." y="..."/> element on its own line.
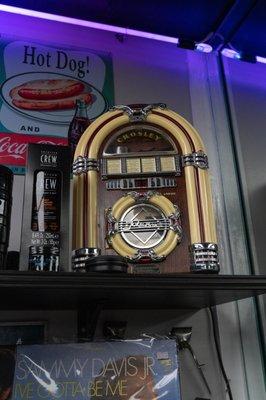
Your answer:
<point x="17" y="149"/>
<point x="13" y="149"/>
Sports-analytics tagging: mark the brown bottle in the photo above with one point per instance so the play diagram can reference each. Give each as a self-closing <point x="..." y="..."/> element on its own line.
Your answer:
<point x="78" y="125"/>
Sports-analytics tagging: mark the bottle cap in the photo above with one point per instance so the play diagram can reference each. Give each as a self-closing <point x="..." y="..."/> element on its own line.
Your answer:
<point x="81" y="103"/>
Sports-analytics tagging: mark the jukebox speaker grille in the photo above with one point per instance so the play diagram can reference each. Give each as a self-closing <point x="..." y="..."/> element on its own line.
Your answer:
<point x="143" y="226"/>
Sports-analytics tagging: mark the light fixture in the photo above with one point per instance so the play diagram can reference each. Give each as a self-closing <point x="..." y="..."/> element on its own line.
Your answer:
<point x="261" y="59"/>
<point x="204" y="47"/>
<point x="242" y="56"/>
<point x="230" y="53"/>
<point x="97" y="25"/>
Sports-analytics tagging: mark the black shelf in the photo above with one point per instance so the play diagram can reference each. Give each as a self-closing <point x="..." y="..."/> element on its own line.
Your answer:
<point x="27" y="290"/>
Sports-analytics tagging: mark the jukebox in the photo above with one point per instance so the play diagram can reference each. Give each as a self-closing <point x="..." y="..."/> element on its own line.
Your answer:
<point x="142" y="194"/>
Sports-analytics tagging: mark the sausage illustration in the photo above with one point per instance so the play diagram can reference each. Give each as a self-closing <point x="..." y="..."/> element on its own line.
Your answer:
<point x="50" y="105"/>
<point x="49" y="89"/>
<point x="49" y="95"/>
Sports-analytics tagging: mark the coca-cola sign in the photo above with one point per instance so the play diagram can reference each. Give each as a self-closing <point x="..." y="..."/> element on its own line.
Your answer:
<point x="13" y="147"/>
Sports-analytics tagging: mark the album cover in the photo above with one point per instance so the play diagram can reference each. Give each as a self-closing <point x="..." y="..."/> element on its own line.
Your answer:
<point x="139" y="369"/>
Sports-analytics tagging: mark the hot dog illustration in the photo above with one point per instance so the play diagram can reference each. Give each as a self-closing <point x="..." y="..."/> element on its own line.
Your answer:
<point x="50" y="94"/>
<point x="42" y="89"/>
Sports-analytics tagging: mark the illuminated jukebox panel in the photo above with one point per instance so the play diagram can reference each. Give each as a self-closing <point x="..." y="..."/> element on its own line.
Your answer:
<point x="141" y="192"/>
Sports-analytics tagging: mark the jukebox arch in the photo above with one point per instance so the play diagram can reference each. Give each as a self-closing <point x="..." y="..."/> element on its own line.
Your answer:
<point x="194" y="165"/>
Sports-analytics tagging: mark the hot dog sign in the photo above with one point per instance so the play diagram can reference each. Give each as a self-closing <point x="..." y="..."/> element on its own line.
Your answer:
<point x="58" y="59"/>
<point x="40" y="85"/>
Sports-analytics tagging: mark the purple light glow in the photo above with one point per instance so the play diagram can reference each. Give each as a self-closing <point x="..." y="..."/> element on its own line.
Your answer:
<point x="261" y="59"/>
<point x="203" y="47"/>
<point x="234" y="54"/>
<point x="230" y="53"/>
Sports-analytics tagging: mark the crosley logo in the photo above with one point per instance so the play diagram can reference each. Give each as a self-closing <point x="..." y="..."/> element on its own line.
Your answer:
<point x="138" y="134"/>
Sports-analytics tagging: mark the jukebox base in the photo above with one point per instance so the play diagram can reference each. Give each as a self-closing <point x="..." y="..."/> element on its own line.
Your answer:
<point x="89" y="262"/>
<point x="107" y="264"/>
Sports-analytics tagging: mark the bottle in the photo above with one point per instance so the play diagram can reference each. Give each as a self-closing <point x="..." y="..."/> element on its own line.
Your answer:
<point x="46" y="205"/>
<point x="78" y="125"/>
<point x="44" y="258"/>
<point x="45" y="217"/>
<point x="6" y="184"/>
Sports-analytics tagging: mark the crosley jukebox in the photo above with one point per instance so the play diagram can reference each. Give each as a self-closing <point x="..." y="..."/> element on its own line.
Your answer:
<point x="142" y="192"/>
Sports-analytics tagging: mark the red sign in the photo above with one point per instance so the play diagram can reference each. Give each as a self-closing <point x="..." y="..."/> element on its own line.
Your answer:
<point x="13" y="146"/>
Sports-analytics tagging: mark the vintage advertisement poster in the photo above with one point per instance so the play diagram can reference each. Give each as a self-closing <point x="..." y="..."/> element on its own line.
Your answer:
<point x="139" y="369"/>
<point x="39" y="87"/>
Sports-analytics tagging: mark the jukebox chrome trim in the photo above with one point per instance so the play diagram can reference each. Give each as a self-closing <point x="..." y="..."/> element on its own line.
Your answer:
<point x="204" y="257"/>
<point x="81" y="256"/>
<point x="84" y="164"/>
<point x="198" y="159"/>
<point x="146" y="254"/>
<point x="139" y="113"/>
<point x="154" y="182"/>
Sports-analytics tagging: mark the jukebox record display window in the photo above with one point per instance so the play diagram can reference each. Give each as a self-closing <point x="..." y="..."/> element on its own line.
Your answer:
<point x="141" y="192"/>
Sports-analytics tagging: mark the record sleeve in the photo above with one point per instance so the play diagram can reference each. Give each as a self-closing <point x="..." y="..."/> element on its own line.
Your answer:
<point x="126" y="370"/>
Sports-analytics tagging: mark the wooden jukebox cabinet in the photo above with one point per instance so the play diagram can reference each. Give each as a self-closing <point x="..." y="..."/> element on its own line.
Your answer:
<point x="142" y="192"/>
